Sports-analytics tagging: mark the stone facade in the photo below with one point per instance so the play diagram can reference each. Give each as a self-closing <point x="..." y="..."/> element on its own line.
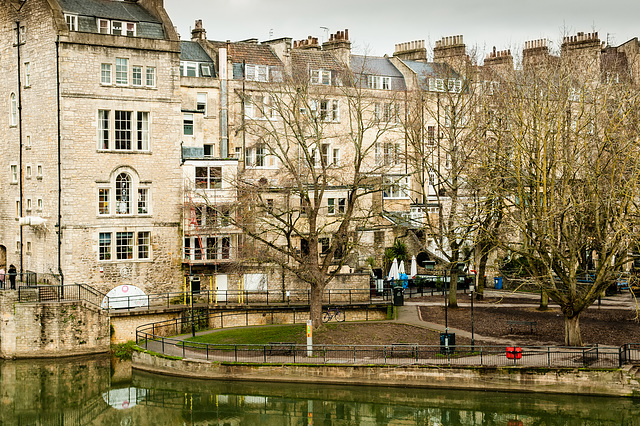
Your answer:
<point x="29" y="330"/>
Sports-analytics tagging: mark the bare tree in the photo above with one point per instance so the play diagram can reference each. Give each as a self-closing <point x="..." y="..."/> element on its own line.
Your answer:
<point x="566" y="152"/>
<point x="311" y="180"/>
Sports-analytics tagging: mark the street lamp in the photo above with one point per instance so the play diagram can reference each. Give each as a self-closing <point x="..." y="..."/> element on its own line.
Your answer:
<point x="471" y="289"/>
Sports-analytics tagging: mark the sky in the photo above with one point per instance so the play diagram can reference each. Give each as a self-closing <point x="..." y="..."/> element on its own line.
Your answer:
<point x="376" y="26"/>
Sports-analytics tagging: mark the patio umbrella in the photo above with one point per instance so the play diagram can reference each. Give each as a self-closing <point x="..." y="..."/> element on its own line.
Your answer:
<point x="401" y="268"/>
<point x="393" y="271"/>
<point x="414" y="267"/>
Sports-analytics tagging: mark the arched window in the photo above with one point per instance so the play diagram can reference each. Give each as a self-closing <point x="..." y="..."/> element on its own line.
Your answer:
<point x="14" y="109"/>
<point x="123" y="194"/>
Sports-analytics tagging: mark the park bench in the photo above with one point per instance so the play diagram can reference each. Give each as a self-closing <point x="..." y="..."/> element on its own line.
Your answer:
<point x="280" y="348"/>
<point x="512" y="323"/>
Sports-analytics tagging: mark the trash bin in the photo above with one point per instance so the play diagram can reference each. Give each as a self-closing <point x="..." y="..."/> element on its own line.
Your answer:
<point x="195" y="285"/>
<point x="447" y="343"/>
<point x="398" y="296"/>
<point x="497" y="283"/>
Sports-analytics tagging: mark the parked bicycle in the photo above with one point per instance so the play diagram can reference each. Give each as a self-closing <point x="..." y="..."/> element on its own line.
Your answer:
<point x="332" y="314"/>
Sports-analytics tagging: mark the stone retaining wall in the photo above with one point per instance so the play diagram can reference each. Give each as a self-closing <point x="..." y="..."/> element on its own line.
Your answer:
<point x="618" y="382"/>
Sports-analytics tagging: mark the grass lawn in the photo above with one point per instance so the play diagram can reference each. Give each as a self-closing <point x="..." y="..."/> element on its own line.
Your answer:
<point x="295" y="333"/>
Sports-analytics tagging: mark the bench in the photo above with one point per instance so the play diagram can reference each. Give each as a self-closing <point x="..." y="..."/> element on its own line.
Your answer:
<point x="280" y="348"/>
<point x="511" y="324"/>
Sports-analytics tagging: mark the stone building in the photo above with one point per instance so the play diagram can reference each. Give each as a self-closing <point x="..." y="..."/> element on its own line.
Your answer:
<point x="92" y="142"/>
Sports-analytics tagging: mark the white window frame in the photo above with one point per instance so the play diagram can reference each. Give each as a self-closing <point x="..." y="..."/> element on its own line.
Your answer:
<point x="187" y="118"/>
<point x="185" y="66"/>
<point x="104" y="197"/>
<point x="255" y="72"/>
<point x="106" y="77"/>
<point x="201" y="102"/>
<point x="105" y="246"/>
<point x="144" y="201"/>
<point x="27" y="74"/>
<point x="396" y="187"/>
<point x="321" y="77"/>
<point x="14" y="173"/>
<point x="107" y="26"/>
<point x="210" y="181"/>
<point x="13" y="110"/>
<point x="28" y="171"/>
<point x="39" y="168"/>
<point x="137" y="127"/>
<point x="39" y="204"/>
<point x="72" y="21"/>
<point x="136" y="75"/>
<point x="122" y="71"/>
<point x="29" y="205"/>
<point x="28" y="142"/>
<point x="151" y="77"/>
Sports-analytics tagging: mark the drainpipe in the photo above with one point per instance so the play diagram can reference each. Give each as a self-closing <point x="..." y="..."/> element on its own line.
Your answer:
<point x="21" y="182"/>
<point x="59" y="223"/>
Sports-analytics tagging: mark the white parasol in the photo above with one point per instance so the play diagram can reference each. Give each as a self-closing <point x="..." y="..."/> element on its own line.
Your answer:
<point x="401" y="268"/>
<point x="394" y="274"/>
<point x="414" y="268"/>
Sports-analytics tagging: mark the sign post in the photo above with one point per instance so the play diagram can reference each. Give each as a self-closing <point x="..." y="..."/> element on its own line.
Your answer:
<point x="309" y="338"/>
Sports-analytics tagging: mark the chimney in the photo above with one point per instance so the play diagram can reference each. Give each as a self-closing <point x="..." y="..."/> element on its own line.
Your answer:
<point x="411" y="50"/>
<point x="311" y="43"/>
<point x="499" y="59"/>
<point x="340" y="47"/>
<point x="452" y="51"/>
<point x="198" y="32"/>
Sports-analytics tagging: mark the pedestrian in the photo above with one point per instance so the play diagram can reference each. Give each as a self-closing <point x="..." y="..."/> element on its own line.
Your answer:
<point x="12" y="276"/>
<point x="1" y="278"/>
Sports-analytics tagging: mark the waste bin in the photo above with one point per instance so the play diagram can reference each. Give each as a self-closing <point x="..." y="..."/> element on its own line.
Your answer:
<point x="497" y="283"/>
<point x="398" y="296"/>
<point x="447" y="343"/>
<point x="195" y="284"/>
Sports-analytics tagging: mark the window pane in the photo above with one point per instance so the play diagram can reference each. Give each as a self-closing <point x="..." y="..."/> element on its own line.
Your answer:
<point x="124" y="245"/>
<point x="123" y="194"/>
<point x="215" y="177"/>
<point x="143" y="131"/>
<point x="105" y="74"/>
<point x="103" y="201"/>
<point x="104" y="246"/>
<point x="116" y="28"/>
<point x="103" y="129"/>
<point x="143" y="201"/>
<point x="151" y="76"/>
<point x="202" y="178"/>
<point x="144" y="241"/>
<point x="136" y="75"/>
<point x="122" y="71"/>
<point x="188" y="124"/>
<point x="123" y="130"/>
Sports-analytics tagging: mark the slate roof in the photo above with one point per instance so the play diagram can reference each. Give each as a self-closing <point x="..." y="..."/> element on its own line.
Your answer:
<point x="108" y="9"/>
<point x="424" y="70"/>
<point x="192" y="51"/>
<point x="374" y="65"/>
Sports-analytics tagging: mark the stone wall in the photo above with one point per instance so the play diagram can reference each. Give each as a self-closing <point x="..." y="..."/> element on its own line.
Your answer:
<point x="565" y="381"/>
<point x="38" y="330"/>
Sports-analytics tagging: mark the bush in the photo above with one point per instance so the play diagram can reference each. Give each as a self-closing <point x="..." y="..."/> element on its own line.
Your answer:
<point x="124" y="351"/>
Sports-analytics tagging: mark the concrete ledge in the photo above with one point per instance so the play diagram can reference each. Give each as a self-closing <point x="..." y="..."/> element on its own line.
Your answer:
<point x="618" y="382"/>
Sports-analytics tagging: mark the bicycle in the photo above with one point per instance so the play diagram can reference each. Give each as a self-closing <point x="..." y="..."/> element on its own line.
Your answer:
<point x="333" y="314"/>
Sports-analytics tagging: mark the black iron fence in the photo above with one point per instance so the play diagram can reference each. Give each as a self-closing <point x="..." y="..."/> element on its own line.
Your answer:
<point x="60" y="293"/>
<point x="20" y="279"/>
<point x="245" y="297"/>
<point x="157" y="337"/>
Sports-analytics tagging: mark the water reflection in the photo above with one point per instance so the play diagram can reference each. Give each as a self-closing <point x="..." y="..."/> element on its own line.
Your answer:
<point x="93" y="391"/>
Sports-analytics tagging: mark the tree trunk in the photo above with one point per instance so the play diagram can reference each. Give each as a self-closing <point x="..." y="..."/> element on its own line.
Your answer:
<point x="572" y="336"/>
<point x="453" y="289"/>
<point x="315" y="306"/>
<point x="544" y="301"/>
<point x="482" y="278"/>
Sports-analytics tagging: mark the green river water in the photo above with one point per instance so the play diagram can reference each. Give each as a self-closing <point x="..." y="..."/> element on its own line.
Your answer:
<point x="99" y="391"/>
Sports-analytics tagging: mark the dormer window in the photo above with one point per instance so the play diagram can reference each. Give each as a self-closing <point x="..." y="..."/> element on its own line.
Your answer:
<point x="256" y="72"/>
<point x="72" y="22"/>
<point x="321" y="77"/>
<point x="124" y="28"/>
<point x="378" y="82"/>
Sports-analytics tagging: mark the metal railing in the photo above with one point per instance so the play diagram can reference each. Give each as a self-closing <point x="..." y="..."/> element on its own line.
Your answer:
<point x="155" y="337"/>
<point x="60" y="293"/>
<point x="246" y="297"/>
<point x="24" y="279"/>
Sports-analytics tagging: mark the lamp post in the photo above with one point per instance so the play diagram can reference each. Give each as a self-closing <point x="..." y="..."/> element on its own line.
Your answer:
<point x="471" y="289"/>
<point x="193" y="326"/>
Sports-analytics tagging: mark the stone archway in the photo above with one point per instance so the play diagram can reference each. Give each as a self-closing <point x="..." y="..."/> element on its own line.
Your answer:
<point x="3" y="257"/>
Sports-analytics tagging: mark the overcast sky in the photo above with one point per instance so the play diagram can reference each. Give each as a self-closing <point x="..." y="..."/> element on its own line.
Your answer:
<point x="376" y="26"/>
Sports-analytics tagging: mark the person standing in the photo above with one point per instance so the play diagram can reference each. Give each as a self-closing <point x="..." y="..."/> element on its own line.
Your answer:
<point x="12" y="276"/>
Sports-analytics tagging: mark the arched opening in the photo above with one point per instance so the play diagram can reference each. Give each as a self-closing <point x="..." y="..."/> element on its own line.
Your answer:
<point x="123" y="194"/>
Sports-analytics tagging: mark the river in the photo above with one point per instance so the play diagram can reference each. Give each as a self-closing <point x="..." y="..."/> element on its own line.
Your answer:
<point x="101" y="391"/>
